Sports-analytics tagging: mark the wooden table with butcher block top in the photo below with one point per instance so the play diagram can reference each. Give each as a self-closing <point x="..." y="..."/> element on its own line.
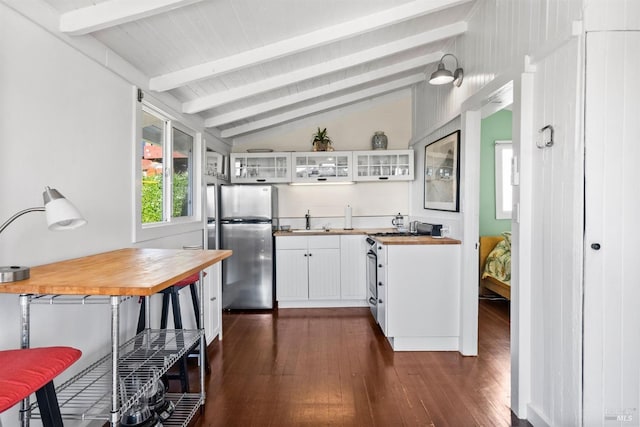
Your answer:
<point x="112" y="277"/>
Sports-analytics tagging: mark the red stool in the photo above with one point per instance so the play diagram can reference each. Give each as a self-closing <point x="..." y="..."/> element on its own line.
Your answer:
<point x="29" y="370"/>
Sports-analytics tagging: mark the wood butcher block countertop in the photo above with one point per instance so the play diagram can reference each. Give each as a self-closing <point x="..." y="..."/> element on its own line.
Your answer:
<point x="333" y="232"/>
<point x="131" y="271"/>
<point x="386" y="240"/>
<point x="416" y="240"/>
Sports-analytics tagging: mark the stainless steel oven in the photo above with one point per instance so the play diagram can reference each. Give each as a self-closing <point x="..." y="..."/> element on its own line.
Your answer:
<point x="372" y="276"/>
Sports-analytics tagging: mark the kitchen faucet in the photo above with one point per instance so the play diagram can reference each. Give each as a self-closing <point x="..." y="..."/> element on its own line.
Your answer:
<point x="307" y="220"/>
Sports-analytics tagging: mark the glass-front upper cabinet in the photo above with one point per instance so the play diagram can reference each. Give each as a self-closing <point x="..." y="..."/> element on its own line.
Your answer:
<point x="258" y="168"/>
<point x="383" y="165"/>
<point x="322" y="166"/>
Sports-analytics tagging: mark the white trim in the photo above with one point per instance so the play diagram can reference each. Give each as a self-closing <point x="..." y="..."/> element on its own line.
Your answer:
<point x="470" y="124"/>
<point x="520" y="293"/>
<point x="424" y="343"/>
<point x="173" y="226"/>
<point x="521" y="241"/>
<point x="322" y="303"/>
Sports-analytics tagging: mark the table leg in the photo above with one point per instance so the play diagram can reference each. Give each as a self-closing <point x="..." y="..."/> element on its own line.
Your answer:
<point x="203" y="340"/>
<point x="115" y="345"/>
<point x="25" y="324"/>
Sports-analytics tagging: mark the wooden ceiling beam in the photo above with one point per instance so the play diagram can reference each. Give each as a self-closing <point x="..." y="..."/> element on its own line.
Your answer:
<point x="114" y="12"/>
<point x="300" y="43"/>
<point x="285" y="101"/>
<point x="220" y="98"/>
<point x="324" y="105"/>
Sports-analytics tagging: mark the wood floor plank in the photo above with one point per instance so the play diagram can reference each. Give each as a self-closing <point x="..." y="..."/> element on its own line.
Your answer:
<point x="333" y="367"/>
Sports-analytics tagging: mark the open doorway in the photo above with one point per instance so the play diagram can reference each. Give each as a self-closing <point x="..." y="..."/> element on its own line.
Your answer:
<point x="495" y="205"/>
<point x="494" y="228"/>
<point x="478" y="124"/>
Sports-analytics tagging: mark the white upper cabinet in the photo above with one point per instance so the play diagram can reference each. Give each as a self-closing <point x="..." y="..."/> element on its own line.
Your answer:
<point x="383" y="165"/>
<point x="257" y="168"/>
<point x="324" y="166"/>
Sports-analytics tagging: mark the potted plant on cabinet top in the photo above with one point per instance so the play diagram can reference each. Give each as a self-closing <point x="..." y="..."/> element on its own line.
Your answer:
<point x="321" y="141"/>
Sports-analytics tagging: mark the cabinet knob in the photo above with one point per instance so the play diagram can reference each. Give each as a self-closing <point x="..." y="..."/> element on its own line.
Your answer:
<point x="380" y="265"/>
<point x="380" y="284"/>
<point x="595" y="246"/>
<point x="310" y="254"/>
<point x="380" y="301"/>
<point x="213" y="299"/>
<point x="305" y="255"/>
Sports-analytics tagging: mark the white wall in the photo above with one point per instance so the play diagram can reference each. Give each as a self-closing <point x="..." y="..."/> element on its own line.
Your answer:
<point x="501" y="33"/>
<point x="612" y="15"/>
<point x="66" y="122"/>
<point x="453" y="220"/>
<point x="350" y="128"/>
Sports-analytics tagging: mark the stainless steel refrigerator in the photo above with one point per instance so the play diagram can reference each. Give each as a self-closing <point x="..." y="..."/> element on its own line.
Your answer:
<point x="212" y="240"/>
<point x="248" y="216"/>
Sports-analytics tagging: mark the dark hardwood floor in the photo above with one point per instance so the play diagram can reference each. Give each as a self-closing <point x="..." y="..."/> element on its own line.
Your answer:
<point x="317" y="367"/>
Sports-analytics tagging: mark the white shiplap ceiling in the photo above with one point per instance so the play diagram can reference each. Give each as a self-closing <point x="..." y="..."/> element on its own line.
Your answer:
<point x="245" y="65"/>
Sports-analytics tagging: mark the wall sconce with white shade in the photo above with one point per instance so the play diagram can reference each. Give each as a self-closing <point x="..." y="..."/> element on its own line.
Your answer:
<point x="60" y="214"/>
<point x="443" y="76"/>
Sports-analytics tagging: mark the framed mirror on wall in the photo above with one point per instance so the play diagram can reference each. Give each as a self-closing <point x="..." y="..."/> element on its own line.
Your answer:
<point x="442" y="173"/>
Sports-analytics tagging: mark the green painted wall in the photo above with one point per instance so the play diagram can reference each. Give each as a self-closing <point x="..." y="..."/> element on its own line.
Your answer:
<point x="495" y="127"/>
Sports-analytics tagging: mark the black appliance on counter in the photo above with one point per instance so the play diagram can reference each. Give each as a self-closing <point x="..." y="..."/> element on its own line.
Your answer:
<point x="425" y="228"/>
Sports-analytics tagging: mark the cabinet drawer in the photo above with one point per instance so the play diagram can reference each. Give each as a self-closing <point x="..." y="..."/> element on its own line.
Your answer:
<point x="308" y="242"/>
<point x="291" y="242"/>
<point x="324" y="242"/>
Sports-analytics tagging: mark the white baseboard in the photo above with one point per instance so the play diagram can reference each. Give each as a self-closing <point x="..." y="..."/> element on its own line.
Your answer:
<point x="536" y="418"/>
<point x="424" y="343"/>
<point x="322" y="303"/>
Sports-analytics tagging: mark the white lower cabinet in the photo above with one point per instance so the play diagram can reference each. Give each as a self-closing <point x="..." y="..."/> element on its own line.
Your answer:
<point x="313" y="271"/>
<point x="420" y="293"/>
<point x="324" y="272"/>
<point x="292" y="273"/>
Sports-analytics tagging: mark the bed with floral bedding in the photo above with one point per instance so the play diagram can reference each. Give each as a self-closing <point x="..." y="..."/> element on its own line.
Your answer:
<point x="495" y="264"/>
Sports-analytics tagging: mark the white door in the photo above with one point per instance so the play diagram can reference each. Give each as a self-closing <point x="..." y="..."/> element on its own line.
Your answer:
<point x="612" y="235"/>
<point x="556" y="239"/>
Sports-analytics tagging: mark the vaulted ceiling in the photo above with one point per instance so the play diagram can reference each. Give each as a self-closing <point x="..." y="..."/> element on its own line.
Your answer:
<point x="246" y="65"/>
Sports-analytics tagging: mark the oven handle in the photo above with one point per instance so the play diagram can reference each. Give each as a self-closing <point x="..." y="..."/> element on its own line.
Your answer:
<point x="373" y="301"/>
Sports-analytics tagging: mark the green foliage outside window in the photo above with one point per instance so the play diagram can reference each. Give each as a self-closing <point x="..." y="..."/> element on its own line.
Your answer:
<point x="152" y="197"/>
<point x="180" y="194"/>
